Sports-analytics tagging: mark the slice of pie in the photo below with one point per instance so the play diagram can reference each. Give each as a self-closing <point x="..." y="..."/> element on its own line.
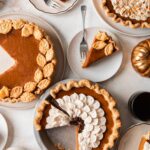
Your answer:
<point x="102" y="46"/>
<point x="131" y="13"/>
<point x="28" y="59"/>
<point x="91" y="108"/>
<point x="145" y="142"/>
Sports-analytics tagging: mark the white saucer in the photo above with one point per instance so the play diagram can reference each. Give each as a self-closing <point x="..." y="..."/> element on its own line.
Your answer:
<point x="3" y="132"/>
<point x="100" y="71"/>
<point x="133" y="136"/>
<point x="117" y="26"/>
<point x="65" y="7"/>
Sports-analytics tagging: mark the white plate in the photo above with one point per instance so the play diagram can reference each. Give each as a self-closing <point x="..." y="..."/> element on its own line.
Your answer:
<point x="41" y="6"/>
<point x="117" y="26"/>
<point x="101" y="70"/>
<point x="57" y="45"/>
<point x="3" y="132"/>
<point x="133" y="136"/>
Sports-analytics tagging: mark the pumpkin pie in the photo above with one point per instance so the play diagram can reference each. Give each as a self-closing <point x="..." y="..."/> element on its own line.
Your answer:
<point x="102" y="46"/>
<point x="34" y="61"/>
<point x="145" y="142"/>
<point x="140" y="58"/>
<point x="91" y="108"/>
<point x="131" y="13"/>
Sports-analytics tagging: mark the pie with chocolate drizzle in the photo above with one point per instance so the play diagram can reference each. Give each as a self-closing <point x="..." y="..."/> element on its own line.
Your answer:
<point x="91" y="108"/>
<point x="34" y="56"/>
<point x="131" y="13"/>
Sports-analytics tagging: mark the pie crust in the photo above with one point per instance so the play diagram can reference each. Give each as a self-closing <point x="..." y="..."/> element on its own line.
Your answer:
<point x="46" y="62"/>
<point x="95" y="88"/>
<point x="144" y="139"/>
<point x="132" y="23"/>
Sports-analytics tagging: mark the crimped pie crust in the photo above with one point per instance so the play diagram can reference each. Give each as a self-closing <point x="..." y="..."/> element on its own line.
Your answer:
<point x="121" y="20"/>
<point x="46" y="62"/>
<point x="96" y="88"/>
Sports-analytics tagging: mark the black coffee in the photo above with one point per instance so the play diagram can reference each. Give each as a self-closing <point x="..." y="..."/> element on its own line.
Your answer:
<point x="140" y="106"/>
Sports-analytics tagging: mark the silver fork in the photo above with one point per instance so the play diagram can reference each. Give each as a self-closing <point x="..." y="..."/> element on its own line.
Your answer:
<point x="83" y="44"/>
<point x="53" y="3"/>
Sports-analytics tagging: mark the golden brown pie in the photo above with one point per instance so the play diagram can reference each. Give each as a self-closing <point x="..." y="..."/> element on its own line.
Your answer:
<point x="102" y="46"/>
<point x="145" y="142"/>
<point x="141" y="58"/>
<point x="34" y="56"/>
<point x="132" y="13"/>
<point x="90" y="107"/>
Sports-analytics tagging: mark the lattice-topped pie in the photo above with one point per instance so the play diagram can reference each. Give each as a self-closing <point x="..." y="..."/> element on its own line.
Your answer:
<point x="145" y="142"/>
<point x="91" y="109"/>
<point x="33" y="58"/>
<point x="102" y="46"/>
<point x="132" y="13"/>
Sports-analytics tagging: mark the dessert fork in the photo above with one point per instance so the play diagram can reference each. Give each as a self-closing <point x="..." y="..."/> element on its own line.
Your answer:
<point x="55" y="104"/>
<point x="83" y="44"/>
<point x="52" y="3"/>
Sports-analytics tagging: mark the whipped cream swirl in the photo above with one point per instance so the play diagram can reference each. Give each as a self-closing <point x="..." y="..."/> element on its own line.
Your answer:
<point x="89" y="110"/>
<point x="134" y="9"/>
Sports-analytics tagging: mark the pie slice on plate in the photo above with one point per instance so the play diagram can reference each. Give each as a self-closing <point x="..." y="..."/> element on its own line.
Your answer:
<point x="131" y="13"/>
<point x="91" y="108"/>
<point x="102" y="46"/>
<point x="33" y="57"/>
<point x="145" y="142"/>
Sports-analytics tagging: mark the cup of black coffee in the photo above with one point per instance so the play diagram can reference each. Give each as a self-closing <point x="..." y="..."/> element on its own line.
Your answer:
<point x="139" y="105"/>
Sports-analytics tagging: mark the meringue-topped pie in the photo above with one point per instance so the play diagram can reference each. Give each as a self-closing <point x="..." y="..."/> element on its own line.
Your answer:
<point x="102" y="47"/>
<point x="145" y="142"/>
<point x="132" y="13"/>
<point x="28" y="59"/>
<point x="91" y="109"/>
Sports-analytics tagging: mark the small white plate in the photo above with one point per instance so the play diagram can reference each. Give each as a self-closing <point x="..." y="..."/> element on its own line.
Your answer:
<point x="117" y="26"/>
<point x="65" y="7"/>
<point x="101" y="70"/>
<point x="133" y="136"/>
<point x="3" y="132"/>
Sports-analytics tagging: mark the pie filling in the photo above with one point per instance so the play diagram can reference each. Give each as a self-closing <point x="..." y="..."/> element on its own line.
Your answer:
<point x="86" y="113"/>
<point x="138" y="11"/>
<point x="24" y="51"/>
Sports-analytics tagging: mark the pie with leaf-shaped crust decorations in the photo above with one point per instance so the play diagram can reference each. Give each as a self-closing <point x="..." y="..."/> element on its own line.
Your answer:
<point x="102" y="47"/>
<point x="33" y="57"/>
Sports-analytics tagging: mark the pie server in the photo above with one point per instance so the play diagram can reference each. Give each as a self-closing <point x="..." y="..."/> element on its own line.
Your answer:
<point x="55" y="104"/>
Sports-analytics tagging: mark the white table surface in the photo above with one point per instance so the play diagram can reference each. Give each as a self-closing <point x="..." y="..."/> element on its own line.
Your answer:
<point x="125" y="83"/>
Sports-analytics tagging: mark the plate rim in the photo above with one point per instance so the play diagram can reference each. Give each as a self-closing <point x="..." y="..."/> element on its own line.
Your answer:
<point x="101" y="29"/>
<point x="130" y="128"/>
<point x="121" y="32"/>
<point x="27" y="14"/>
<point x="58" y="13"/>
<point x="4" y="121"/>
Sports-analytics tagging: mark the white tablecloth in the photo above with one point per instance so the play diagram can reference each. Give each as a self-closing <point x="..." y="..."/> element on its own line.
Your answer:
<point x="126" y="82"/>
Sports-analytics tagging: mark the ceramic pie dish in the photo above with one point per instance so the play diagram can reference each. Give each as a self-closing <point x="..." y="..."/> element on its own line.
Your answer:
<point x="91" y="108"/>
<point x="131" y="13"/>
<point x="140" y="58"/>
<point x="33" y="54"/>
